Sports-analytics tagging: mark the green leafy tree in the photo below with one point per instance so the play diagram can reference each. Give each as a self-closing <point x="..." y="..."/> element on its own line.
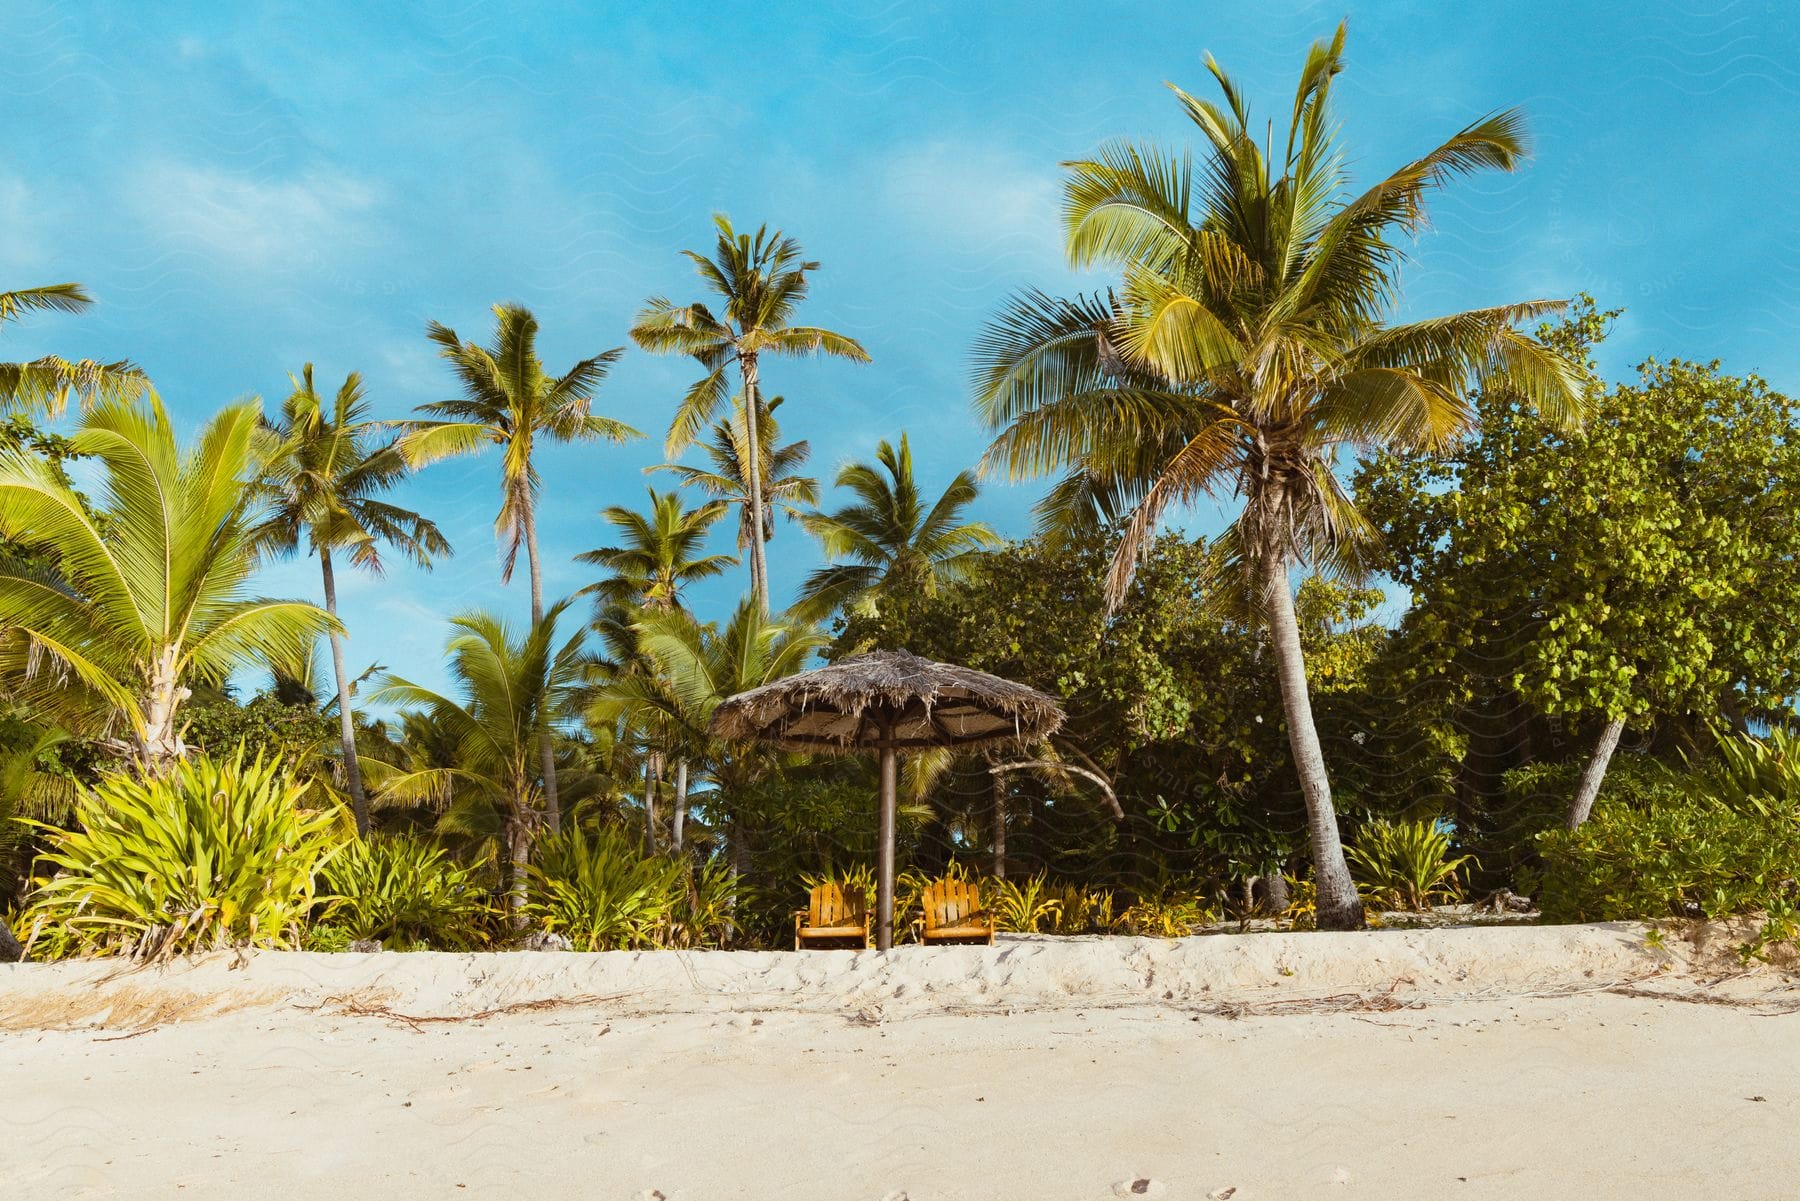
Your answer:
<point x="46" y="384"/>
<point x="509" y="401"/>
<point x="784" y="489"/>
<point x="1248" y="345"/>
<point x="326" y="482"/>
<point x="659" y="553"/>
<point x="760" y="281"/>
<point x="1643" y="570"/>
<point x="515" y="689"/>
<point x="893" y="542"/>
<point x="148" y="591"/>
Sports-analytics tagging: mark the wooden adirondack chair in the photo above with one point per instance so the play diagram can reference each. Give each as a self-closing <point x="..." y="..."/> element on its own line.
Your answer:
<point x="953" y="913"/>
<point x="832" y="916"/>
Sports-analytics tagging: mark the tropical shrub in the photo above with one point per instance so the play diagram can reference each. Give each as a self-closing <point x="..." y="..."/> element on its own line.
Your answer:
<point x="405" y="893"/>
<point x="1168" y="909"/>
<point x="1023" y="907"/>
<point x="217" y="853"/>
<point x="1082" y="911"/>
<point x="710" y="897"/>
<point x="1406" y="865"/>
<point x="1692" y="855"/>
<point x="602" y="893"/>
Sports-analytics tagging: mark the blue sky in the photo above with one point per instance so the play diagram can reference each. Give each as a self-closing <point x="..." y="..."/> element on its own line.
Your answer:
<point x="249" y="187"/>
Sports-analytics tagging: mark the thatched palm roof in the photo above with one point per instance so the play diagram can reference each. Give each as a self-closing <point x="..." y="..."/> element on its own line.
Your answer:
<point x="888" y="697"/>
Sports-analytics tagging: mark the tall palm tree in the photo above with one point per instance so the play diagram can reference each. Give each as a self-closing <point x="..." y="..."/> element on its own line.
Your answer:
<point x="326" y="481"/>
<point x="658" y="559"/>
<point x="893" y="542"/>
<point x="509" y="401"/>
<point x="784" y="489"/>
<point x="147" y="595"/>
<point x="47" y="383"/>
<point x="515" y="688"/>
<point x="761" y="279"/>
<point x="1248" y="345"/>
<point x="659" y="552"/>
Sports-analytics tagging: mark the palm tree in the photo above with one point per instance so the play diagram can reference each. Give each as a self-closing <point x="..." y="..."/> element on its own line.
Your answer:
<point x="783" y="488"/>
<point x="659" y="556"/>
<point x="515" y="690"/>
<point x="147" y="593"/>
<point x="510" y="402"/>
<point x="694" y="668"/>
<point x="894" y="543"/>
<point x="325" y="483"/>
<point x="47" y="383"/>
<point x="761" y="279"/>
<point x="1250" y="343"/>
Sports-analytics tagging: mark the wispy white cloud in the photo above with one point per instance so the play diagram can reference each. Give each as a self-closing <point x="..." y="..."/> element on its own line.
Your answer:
<point x="317" y="217"/>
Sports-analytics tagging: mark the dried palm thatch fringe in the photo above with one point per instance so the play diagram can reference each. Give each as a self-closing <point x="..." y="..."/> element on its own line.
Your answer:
<point x="888" y="698"/>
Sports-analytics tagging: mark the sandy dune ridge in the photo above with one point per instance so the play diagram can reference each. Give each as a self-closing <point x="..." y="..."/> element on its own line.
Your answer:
<point x="1456" y="1062"/>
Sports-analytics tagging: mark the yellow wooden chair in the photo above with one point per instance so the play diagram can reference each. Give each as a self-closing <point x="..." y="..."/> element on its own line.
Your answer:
<point x="832" y="916"/>
<point x="953" y="913"/>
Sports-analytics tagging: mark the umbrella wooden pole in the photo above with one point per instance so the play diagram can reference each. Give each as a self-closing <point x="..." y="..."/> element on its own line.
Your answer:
<point x="884" y="871"/>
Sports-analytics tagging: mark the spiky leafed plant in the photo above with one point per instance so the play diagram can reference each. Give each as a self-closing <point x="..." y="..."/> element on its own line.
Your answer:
<point x="515" y="689"/>
<point x="784" y="489"/>
<point x="46" y="384"/>
<point x="761" y="279"/>
<point x="893" y="541"/>
<point x="325" y="484"/>
<point x="1248" y="344"/>
<point x="148" y="591"/>
<point x="509" y="401"/>
<point x="659" y="553"/>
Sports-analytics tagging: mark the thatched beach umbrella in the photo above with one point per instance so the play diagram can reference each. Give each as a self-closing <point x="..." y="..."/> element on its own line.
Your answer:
<point x="887" y="701"/>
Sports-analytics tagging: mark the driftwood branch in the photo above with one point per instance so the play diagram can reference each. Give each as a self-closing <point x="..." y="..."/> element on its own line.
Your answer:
<point x="1112" y="799"/>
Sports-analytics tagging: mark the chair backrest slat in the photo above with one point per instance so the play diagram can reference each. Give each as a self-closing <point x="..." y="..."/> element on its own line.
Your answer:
<point x="830" y="905"/>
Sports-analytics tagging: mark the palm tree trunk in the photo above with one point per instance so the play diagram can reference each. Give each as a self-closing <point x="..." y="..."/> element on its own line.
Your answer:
<point x="678" y="819"/>
<point x="159" y="746"/>
<point x="650" y="775"/>
<point x="1339" y="906"/>
<point x="999" y="787"/>
<point x="359" y="802"/>
<point x="759" y="568"/>
<point x="518" y="854"/>
<point x="547" y="742"/>
<point x="1594" y="774"/>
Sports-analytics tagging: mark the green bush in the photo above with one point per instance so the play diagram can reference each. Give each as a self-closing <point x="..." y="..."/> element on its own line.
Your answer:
<point x="406" y="893"/>
<point x="1023" y="906"/>
<point x="1691" y="855"/>
<point x="1405" y="865"/>
<point x="602" y="893"/>
<point x="218" y="853"/>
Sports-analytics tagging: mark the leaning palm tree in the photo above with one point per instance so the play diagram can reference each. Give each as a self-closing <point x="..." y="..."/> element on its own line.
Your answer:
<point x="784" y="489"/>
<point x="325" y="485"/>
<point x="509" y="401"/>
<point x="761" y="279"/>
<point x="46" y="384"/>
<point x="515" y="690"/>
<point x="895" y="544"/>
<point x="659" y="555"/>
<point x="1248" y="344"/>
<point x="147" y="591"/>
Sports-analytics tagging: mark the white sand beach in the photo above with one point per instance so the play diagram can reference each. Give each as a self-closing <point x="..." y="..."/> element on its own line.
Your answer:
<point x="1460" y="1063"/>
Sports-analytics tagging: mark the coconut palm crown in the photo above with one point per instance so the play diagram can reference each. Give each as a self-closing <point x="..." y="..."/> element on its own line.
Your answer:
<point x="892" y="539"/>
<point x="325" y="484"/>
<point x="760" y="280"/>
<point x="1248" y="344"/>
<point x="45" y="384"/>
<point x="147" y="594"/>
